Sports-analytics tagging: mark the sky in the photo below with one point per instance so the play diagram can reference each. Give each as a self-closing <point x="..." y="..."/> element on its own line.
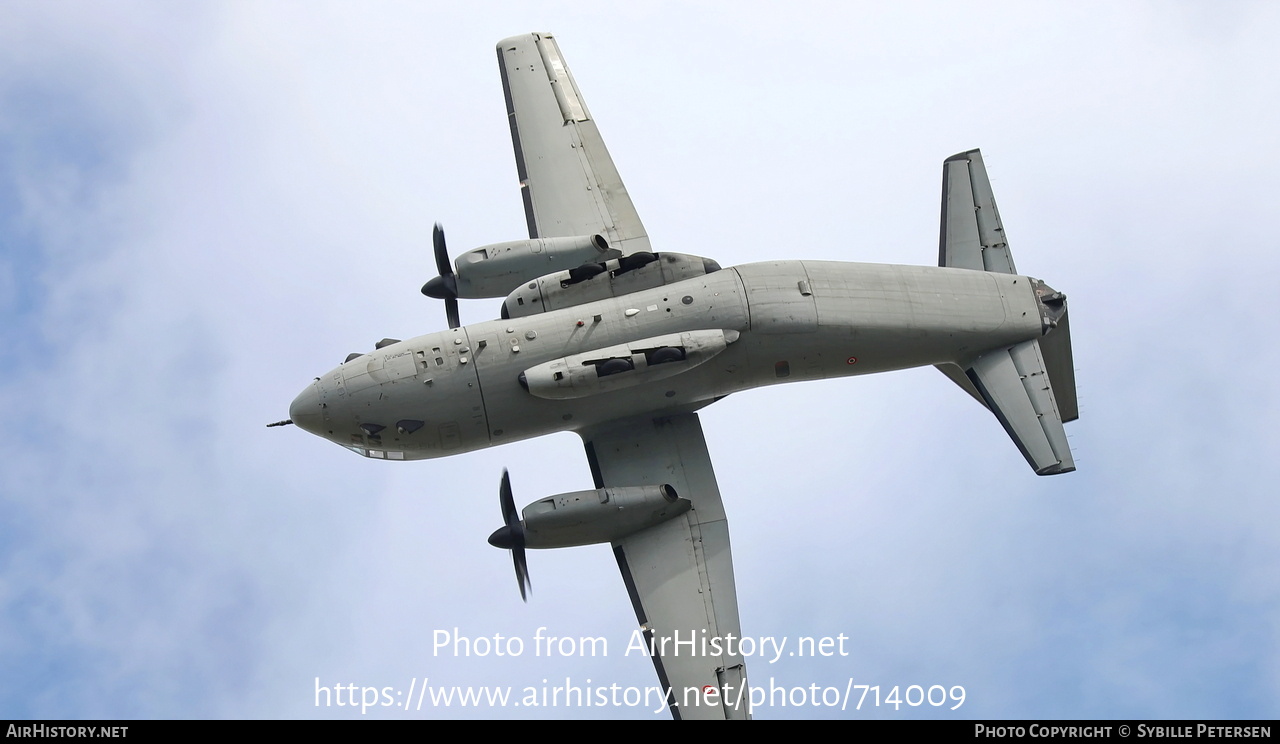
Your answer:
<point x="205" y="205"/>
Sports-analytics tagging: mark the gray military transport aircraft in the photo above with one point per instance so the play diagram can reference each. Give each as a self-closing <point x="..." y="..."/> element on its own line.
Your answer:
<point x="602" y="336"/>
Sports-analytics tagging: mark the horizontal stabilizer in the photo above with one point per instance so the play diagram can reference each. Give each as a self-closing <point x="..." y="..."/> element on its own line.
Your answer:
<point x="972" y="235"/>
<point x="1016" y="387"/>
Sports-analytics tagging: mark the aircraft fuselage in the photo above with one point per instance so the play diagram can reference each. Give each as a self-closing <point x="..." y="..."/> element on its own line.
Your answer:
<point x="782" y="321"/>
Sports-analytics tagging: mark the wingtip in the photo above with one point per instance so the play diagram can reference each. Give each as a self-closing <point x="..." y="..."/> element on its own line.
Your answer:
<point x="1057" y="469"/>
<point x="513" y="41"/>
<point x="966" y="155"/>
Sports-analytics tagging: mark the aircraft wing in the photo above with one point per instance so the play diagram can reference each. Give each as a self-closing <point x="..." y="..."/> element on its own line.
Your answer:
<point x="679" y="573"/>
<point x="567" y="179"/>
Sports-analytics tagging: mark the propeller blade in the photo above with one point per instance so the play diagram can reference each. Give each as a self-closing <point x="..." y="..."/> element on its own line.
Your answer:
<point x="442" y="253"/>
<point x="511" y="535"/>
<point x="445" y="286"/>
<point x="451" y="312"/>
<point x="522" y="573"/>
<point x="506" y="500"/>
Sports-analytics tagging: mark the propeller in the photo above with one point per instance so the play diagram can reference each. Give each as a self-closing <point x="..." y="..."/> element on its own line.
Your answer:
<point x="445" y="286"/>
<point x="511" y="535"/>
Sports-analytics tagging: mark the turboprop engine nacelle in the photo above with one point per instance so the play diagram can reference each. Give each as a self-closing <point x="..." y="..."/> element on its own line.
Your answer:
<point x="495" y="270"/>
<point x="600" y="516"/>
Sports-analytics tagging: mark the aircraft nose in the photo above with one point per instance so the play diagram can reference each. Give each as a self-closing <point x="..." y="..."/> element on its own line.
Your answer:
<point x="305" y="410"/>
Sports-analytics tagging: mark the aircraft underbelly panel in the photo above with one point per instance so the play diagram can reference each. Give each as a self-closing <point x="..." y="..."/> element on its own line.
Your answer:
<point x="412" y="400"/>
<point x="779" y="297"/>
<point x="907" y="299"/>
<point x="713" y="302"/>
